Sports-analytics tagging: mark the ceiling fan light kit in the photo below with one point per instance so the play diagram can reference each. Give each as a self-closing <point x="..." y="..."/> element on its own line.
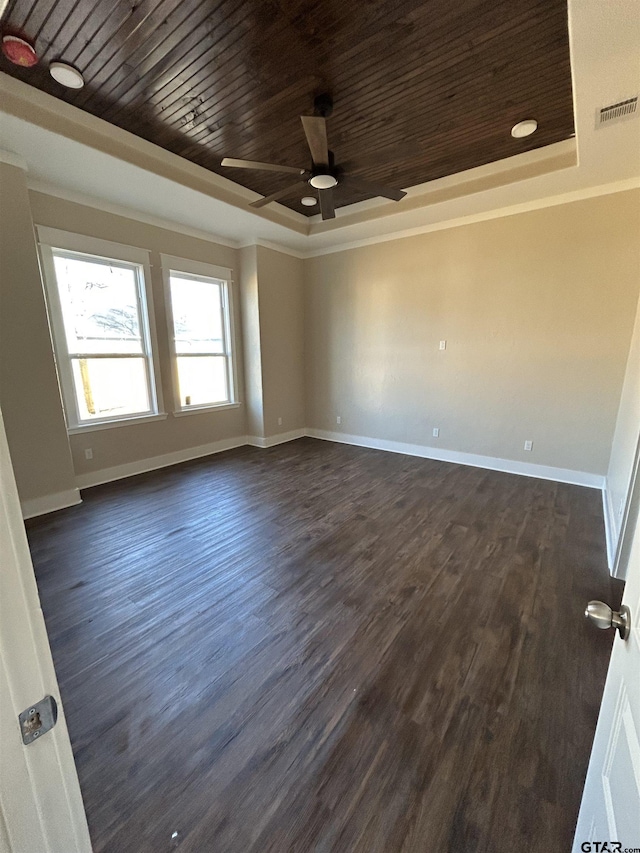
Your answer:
<point x="323" y="182"/>
<point x="324" y="175"/>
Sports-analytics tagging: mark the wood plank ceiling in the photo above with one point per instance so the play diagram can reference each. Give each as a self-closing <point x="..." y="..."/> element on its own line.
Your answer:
<point x="422" y="88"/>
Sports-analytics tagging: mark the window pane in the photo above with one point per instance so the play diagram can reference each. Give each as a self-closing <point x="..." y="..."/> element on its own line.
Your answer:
<point x="197" y="315"/>
<point x="202" y="380"/>
<point x="99" y="306"/>
<point x="108" y="387"/>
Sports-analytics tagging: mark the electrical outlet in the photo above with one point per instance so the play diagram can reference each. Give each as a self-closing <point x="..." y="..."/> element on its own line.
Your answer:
<point x="443" y="344"/>
<point x="88" y="454"/>
<point x="338" y="420"/>
<point x="528" y="445"/>
<point x="436" y="432"/>
<point x="279" y="421"/>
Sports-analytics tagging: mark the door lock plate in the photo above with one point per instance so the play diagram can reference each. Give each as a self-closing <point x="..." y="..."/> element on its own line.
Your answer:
<point x="38" y="719"/>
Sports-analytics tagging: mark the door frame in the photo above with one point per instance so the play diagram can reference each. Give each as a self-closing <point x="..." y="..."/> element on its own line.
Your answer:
<point x="623" y="545"/>
<point x="41" y="805"/>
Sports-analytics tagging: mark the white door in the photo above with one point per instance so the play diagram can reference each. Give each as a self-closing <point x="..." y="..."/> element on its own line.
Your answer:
<point x="41" y="809"/>
<point x="610" y="810"/>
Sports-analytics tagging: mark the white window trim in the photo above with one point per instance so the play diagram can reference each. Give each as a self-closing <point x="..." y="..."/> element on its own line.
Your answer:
<point x="171" y="263"/>
<point x="52" y="238"/>
<point x="71" y="242"/>
<point x="126" y="421"/>
<point x="198" y="410"/>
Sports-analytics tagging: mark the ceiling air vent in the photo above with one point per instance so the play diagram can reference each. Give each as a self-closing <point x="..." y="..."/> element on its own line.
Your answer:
<point x="616" y="112"/>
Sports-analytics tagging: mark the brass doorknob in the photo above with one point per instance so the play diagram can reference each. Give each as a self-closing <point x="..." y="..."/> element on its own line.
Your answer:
<point x="603" y="616"/>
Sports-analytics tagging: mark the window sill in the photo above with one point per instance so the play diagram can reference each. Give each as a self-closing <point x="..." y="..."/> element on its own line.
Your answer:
<point x="96" y="425"/>
<point x="195" y="410"/>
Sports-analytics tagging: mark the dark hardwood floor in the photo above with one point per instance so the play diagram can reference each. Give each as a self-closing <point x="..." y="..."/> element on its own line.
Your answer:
<point x="323" y="648"/>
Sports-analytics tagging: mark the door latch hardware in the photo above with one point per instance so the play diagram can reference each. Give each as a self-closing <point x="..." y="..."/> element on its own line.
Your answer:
<point x="38" y="719"/>
<point x="604" y="617"/>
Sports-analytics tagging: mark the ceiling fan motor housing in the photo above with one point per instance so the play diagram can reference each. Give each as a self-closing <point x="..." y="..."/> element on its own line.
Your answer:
<point x="323" y="105"/>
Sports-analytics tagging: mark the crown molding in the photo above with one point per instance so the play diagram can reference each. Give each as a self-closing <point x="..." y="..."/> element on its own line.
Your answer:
<point x="496" y="213"/>
<point x="11" y="159"/>
<point x="276" y="247"/>
<point x="158" y="222"/>
<point x="127" y="212"/>
<point x="50" y="133"/>
<point x="36" y="107"/>
<point x="489" y="176"/>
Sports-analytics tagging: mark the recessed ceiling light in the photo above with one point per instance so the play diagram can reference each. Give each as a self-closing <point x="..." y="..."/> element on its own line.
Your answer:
<point x="524" y="128"/>
<point x="309" y="200"/>
<point x="323" y="182"/>
<point x="66" y="75"/>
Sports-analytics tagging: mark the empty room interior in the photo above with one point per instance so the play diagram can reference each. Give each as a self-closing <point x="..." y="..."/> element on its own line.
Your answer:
<point x="320" y="378"/>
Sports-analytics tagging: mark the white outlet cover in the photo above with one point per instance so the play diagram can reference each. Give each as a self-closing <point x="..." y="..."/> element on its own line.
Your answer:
<point x="528" y="445"/>
<point x="436" y="432"/>
<point x="338" y="420"/>
<point x="443" y="344"/>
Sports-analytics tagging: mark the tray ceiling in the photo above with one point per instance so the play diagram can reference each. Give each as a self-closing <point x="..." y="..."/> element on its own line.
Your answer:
<point x="421" y="89"/>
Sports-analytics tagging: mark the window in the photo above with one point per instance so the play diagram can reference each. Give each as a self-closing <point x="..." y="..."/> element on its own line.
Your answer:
<point x="100" y="328"/>
<point x="201" y="334"/>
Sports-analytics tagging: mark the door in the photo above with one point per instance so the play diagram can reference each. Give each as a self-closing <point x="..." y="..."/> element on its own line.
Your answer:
<point x="41" y="809"/>
<point x="610" y="810"/>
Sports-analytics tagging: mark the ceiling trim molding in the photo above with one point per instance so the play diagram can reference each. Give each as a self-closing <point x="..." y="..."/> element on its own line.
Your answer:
<point x="50" y="133"/>
<point x="127" y="212"/>
<point x="276" y="247"/>
<point x="498" y="213"/>
<point x="490" y="176"/>
<point x="158" y="222"/>
<point x="36" y="107"/>
<point x="11" y="159"/>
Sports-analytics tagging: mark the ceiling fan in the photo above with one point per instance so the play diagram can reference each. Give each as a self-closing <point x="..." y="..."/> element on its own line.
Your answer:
<point x="324" y="175"/>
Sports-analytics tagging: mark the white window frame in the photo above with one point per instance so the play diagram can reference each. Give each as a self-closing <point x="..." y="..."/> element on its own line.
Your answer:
<point x="50" y="240"/>
<point x="220" y="275"/>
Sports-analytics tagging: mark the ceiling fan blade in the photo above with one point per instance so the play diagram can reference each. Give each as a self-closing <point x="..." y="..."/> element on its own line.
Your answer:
<point x="373" y="189"/>
<point x="327" y="208"/>
<point x="280" y="194"/>
<point x="265" y="167"/>
<point x="315" y="128"/>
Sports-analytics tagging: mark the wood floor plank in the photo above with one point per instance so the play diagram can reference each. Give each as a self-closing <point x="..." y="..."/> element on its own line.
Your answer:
<point x="318" y="647"/>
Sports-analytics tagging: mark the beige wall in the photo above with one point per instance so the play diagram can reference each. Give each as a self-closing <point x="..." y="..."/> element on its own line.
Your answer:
<point x="125" y="444"/>
<point x="29" y="393"/>
<point x="268" y="293"/>
<point x="272" y="297"/>
<point x="537" y="311"/>
<point x="627" y="434"/>
<point x="281" y="299"/>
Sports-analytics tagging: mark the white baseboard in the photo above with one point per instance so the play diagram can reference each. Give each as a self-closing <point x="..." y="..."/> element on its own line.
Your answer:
<point x="50" y="503"/>
<point x="492" y="463"/>
<point x="611" y="530"/>
<point x="279" y="438"/>
<point x="141" y="466"/>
